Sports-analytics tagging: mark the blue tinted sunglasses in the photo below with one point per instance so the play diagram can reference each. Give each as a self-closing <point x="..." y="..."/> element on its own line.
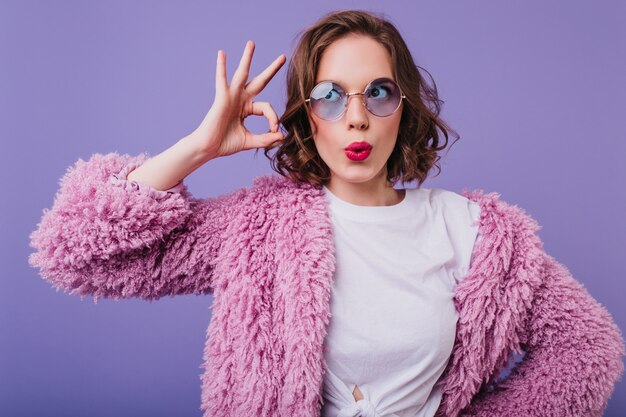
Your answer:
<point x="381" y="97"/>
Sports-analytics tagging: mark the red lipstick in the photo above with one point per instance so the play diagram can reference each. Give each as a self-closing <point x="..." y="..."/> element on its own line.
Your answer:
<point x="358" y="151"/>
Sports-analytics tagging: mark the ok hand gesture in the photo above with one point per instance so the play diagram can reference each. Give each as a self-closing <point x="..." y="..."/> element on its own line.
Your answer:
<point x="222" y="131"/>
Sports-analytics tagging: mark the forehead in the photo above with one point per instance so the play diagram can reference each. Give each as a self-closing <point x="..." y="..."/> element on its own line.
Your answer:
<point x="353" y="61"/>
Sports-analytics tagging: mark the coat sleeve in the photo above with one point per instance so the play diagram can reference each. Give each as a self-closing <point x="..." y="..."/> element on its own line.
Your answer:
<point x="573" y="357"/>
<point x="109" y="237"/>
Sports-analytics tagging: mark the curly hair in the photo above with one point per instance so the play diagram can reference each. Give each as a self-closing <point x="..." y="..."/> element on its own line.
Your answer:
<point x="418" y="142"/>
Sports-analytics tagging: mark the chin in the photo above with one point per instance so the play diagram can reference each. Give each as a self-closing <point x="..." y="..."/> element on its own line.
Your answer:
<point x="355" y="177"/>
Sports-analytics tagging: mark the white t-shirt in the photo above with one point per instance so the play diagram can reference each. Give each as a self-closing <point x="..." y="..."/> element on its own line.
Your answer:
<point x="393" y="320"/>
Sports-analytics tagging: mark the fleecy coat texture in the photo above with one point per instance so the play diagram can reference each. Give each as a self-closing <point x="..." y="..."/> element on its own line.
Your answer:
<point x="266" y="253"/>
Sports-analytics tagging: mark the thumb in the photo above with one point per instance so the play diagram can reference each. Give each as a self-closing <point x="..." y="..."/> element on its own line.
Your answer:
<point x="265" y="139"/>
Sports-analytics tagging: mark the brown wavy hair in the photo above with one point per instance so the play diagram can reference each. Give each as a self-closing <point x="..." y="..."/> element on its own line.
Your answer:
<point x="418" y="142"/>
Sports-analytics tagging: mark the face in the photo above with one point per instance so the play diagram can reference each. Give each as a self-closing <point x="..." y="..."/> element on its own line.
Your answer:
<point x="352" y="62"/>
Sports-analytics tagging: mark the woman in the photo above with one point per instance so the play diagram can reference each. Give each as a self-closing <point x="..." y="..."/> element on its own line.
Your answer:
<point x="335" y="293"/>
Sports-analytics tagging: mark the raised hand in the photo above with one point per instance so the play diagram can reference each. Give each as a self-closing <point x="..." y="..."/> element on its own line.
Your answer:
<point x="222" y="132"/>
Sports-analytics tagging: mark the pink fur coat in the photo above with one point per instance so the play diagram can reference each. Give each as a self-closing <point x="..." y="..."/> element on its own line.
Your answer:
<point x="266" y="253"/>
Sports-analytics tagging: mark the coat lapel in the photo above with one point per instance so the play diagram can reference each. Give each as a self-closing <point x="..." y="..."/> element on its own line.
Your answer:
<point x="264" y="355"/>
<point x="492" y="301"/>
<point x="304" y="275"/>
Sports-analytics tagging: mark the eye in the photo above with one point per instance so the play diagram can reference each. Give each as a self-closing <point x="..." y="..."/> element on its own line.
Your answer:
<point x="328" y="92"/>
<point x="332" y="95"/>
<point x="379" y="92"/>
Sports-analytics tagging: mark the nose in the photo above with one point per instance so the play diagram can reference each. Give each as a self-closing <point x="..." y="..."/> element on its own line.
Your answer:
<point x="356" y="113"/>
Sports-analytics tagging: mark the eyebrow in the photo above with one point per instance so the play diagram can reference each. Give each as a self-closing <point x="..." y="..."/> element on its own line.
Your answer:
<point x="341" y="83"/>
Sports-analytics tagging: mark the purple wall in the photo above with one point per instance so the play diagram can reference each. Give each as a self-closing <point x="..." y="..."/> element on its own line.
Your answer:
<point x="537" y="92"/>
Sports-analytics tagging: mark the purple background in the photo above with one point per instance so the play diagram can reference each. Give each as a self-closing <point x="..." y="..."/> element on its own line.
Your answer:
<point x="537" y="92"/>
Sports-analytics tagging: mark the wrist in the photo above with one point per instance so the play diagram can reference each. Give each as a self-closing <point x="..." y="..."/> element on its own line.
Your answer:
<point x="194" y="145"/>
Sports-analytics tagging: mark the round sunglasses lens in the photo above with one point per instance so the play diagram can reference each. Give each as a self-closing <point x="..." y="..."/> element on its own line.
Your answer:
<point x="383" y="97"/>
<point x="328" y="100"/>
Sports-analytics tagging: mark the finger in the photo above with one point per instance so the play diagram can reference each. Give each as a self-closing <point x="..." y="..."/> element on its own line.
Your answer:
<point x="243" y="70"/>
<point x="263" y="108"/>
<point x="255" y="86"/>
<point x="261" y="141"/>
<point x="220" y="72"/>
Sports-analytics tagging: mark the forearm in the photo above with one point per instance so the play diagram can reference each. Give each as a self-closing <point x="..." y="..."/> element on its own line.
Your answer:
<point x="171" y="166"/>
<point x="573" y="360"/>
<point x="105" y="237"/>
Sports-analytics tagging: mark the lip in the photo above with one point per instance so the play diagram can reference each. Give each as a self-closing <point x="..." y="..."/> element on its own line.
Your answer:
<point x="358" y="156"/>
<point x="359" y="146"/>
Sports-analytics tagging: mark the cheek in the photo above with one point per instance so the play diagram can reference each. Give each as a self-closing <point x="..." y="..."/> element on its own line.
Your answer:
<point x="314" y="127"/>
<point x="323" y="133"/>
<point x="395" y="120"/>
<point x="392" y="127"/>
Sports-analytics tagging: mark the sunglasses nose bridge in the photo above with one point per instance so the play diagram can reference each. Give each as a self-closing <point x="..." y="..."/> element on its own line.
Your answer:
<point x="348" y="95"/>
<point x="346" y="101"/>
